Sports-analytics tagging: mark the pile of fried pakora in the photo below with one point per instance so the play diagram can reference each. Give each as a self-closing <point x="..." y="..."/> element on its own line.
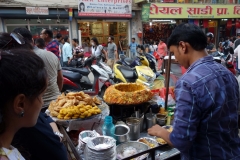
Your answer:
<point x="74" y="105"/>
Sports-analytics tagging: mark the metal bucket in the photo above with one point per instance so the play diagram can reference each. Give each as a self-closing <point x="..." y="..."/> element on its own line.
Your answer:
<point x="134" y="124"/>
<point x="141" y="121"/>
<point x="151" y="120"/>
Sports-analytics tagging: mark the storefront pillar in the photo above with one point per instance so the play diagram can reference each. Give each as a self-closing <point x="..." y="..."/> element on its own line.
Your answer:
<point x="2" y="28"/>
<point x="136" y="26"/>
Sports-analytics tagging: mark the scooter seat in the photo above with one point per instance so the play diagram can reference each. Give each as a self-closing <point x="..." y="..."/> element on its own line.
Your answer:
<point x="127" y="72"/>
<point x="73" y="76"/>
<point x="83" y="71"/>
<point x="128" y="61"/>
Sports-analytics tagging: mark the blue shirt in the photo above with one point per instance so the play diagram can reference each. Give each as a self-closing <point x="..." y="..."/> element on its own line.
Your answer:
<point x="67" y="51"/>
<point x="206" y="121"/>
<point x="133" y="47"/>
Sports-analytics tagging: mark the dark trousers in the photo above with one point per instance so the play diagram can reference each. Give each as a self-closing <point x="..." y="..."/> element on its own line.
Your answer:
<point x="65" y="64"/>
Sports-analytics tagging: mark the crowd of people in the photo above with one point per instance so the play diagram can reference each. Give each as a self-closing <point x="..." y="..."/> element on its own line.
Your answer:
<point x="207" y="96"/>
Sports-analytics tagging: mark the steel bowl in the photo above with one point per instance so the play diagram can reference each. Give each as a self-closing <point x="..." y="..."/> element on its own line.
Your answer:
<point x="84" y="136"/>
<point x="106" y="140"/>
<point x="161" y="119"/>
<point x="139" y="146"/>
<point x="150" y="140"/>
<point x="121" y="133"/>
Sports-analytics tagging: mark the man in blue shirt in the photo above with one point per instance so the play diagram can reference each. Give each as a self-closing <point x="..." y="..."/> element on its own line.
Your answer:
<point x="133" y="48"/>
<point x="66" y="52"/>
<point x="205" y="121"/>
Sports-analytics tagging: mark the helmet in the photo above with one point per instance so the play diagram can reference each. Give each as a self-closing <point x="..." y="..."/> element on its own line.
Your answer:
<point x="209" y="34"/>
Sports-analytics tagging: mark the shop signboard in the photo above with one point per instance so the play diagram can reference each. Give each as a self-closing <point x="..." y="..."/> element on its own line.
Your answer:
<point x="193" y="11"/>
<point x="145" y="12"/>
<point x="105" y="8"/>
<point x="37" y="11"/>
<point x="139" y="1"/>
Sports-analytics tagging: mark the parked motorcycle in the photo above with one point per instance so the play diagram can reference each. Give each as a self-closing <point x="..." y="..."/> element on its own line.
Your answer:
<point x="128" y="73"/>
<point x="76" y="79"/>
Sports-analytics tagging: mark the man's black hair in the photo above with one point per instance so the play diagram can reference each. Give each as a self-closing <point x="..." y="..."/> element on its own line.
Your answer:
<point x="24" y="32"/>
<point x="27" y="37"/>
<point x="58" y="36"/>
<point x="40" y="42"/>
<point x="49" y="33"/>
<point x="112" y="38"/>
<point x="189" y="33"/>
<point x="133" y="39"/>
<point x="66" y="38"/>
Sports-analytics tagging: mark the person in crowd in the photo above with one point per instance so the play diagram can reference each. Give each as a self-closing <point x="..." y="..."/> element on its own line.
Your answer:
<point x="235" y="45"/>
<point x="53" y="67"/>
<point x="59" y="38"/>
<point x="133" y="48"/>
<point x="155" y="47"/>
<point x="145" y="44"/>
<point x="98" y="50"/>
<point x="210" y="46"/>
<point x="45" y="133"/>
<point x="39" y="42"/>
<point x="21" y="91"/>
<point x="77" y="49"/>
<point x="81" y="7"/>
<point x="112" y="54"/>
<point x="162" y="51"/>
<point x="151" y="48"/>
<point x="120" y="45"/>
<point x="207" y="97"/>
<point x="67" y="52"/>
<point x="52" y="45"/>
<point x="87" y="47"/>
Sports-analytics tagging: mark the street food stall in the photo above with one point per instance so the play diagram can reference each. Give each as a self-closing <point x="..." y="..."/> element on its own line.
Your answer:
<point x="133" y="109"/>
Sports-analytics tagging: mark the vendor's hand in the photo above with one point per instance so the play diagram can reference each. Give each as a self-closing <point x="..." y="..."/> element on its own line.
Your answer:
<point x="155" y="130"/>
<point x="69" y="61"/>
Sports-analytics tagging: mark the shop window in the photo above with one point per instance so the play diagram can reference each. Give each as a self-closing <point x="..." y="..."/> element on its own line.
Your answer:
<point x="48" y="21"/>
<point x="36" y="30"/>
<point x="102" y="30"/>
<point x="63" y="30"/>
<point x="11" y="28"/>
<point x="16" y="21"/>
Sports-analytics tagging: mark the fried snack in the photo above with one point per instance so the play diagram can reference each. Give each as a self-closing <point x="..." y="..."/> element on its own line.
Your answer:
<point x="161" y="141"/>
<point x="96" y="100"/>
<point x="74" y="112"/>
<point x="143" y="140"/>
<point x="127" y="94"/>
<point x="76" y="105"/>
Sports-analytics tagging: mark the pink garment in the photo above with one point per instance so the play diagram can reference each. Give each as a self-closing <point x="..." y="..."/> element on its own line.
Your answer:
<point x="162" y="48"/>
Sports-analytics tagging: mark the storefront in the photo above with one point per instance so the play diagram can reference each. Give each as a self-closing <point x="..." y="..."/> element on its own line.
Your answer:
<point x="54" y="19"/>
<point x="102" y="19"/>
<point x="159" y="23"/>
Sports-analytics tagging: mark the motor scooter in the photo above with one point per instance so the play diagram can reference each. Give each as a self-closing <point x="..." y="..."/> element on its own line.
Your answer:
<point x="76" y="79"/>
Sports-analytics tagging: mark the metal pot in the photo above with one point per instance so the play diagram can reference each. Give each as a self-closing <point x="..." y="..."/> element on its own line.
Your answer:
<point x="141" y="120"/>
<point x="134" y="125"/>
<point x="121" y="133"/>
<point x="161" y="119"/>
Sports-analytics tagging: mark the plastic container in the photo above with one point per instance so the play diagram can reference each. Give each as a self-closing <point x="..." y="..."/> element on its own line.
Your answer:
<point x="108" y="128"/>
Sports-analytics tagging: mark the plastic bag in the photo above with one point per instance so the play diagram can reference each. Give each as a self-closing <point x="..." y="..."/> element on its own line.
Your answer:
<point x="171" y="101"/>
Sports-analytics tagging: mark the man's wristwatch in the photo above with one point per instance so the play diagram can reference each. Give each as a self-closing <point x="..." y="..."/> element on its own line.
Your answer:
<point x="58" y="134"/>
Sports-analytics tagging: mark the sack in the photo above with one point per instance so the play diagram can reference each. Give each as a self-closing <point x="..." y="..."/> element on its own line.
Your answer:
<point x="156" y="55"/>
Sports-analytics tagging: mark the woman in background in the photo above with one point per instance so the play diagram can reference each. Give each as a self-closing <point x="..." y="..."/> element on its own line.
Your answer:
<point x="162" y="51"/>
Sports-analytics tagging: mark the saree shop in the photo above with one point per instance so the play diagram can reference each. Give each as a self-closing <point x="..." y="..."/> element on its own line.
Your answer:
<point x="221" y="21"/>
